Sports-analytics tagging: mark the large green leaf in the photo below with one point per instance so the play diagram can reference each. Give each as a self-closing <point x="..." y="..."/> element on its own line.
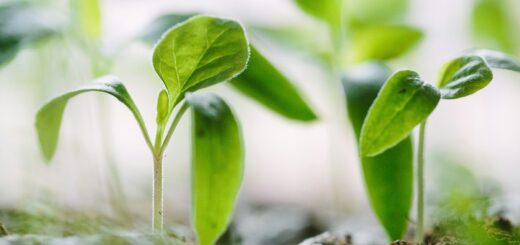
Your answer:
<point x="403" y="102"/>
<point x="22" y="24"/>
<point x="154" y="31"/>
<point x="200" y="52"/>
<point x="381" y="42"/>
<point x="326" y="10"/>
<point x="49" y="117"/>
<point x="389" y="175"/>
<point x="498" y="60"/>
<point x="464" y="76"/>
<point x="493" y="23"/>
<point x="217" y="159"/>
<point x="264" y="83"/>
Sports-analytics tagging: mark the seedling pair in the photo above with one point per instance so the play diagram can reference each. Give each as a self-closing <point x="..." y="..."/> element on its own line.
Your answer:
<point x="406" y="101"/>
<point x="193" y="55"/>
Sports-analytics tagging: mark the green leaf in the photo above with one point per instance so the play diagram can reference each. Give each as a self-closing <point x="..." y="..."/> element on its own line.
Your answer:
<point x="498" y="60"/>
<point x="264" y="83"/>
<point x="464" y="76"/>
<point x="49" y="117"/>
<point x="198" y="53"/>
<point x="162" y="107"/>
<point x="9" y="47"/>
<point x="308" y="39"/>
<point x="382" y="42"/>
<point x="88" y="14"/>
<point x="404" y="102"/>
<point x="154" y="31"/>
<point x="217" y="159"/>
<point x="492" y="23"/>
<point x="22" y="24"/>
<point x="326" y="10"/>
<point x="376" y="11"/>
<point x="389" y="175"/>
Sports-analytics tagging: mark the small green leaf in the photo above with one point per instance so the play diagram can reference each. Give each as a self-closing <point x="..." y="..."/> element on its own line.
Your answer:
<point x="49" y="117"/>
<point x="404" y="102"/>
<point x="498" y="60"/>
<point x="217" y="159"/>
<point x="162" y="107"/>
<point x="326" y="10"/>
<point x="389" y="175"/>
<point x="264" y="83"/>
<point x="464" y="76"/>
<point x="493" y="24"/>
<point x="88" y="15"/>
<point x="382" y="42"/>
<point x="200" y="52"/>
<point x="155" y="30"/>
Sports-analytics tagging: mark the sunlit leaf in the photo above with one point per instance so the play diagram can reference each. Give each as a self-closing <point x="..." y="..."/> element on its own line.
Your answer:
<point x="326" y="10"/>
<point x="264" y="83"/>
<point x="200" y="52"/>
<point x="498" y="60"/>
<point x="88" y="15"/>
<point x="493" y="23"/>
<point x="389" y="175"/>
<point x="217" y="163"/>
<point x="381" y="42"/>
<point x="464" y="76"/>
<point x="404" y="102"/>
<point x="154" y="31"/>
<point x="49" y="117"/>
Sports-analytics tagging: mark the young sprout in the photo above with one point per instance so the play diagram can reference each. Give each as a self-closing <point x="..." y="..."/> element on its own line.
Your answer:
<point x="195" y="54"/>
<point x="406" y="101"/>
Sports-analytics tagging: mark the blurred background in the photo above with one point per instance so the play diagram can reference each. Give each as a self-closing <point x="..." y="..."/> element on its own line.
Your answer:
<point x="309" y="165"/>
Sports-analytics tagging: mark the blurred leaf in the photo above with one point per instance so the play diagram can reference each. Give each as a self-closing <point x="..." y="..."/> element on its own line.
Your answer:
<point x="382" y="42"/>
<point x="326" y="10"/>
<point x="88" y="14"/>
<point x="404" y="102"/>
<point x="218" y="157"/>
<point x="376" y="11"/>
<point x="498" y="60"/>
<point x="154" y="31"/>
<point x="389" y="175"/>
<point x="492" y="23"/>
<point x="264" y="83"/>
<point x="49" y="117"/>
<point x="198" y="53"/>
<point x="305" y="39"/>
<point x="22" y="24"/>
<point x="464" y="76"/>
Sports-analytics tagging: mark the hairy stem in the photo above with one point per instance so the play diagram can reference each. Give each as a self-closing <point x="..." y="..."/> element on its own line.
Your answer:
<point x="419" y="233"/>
<point x="158" y="213"/>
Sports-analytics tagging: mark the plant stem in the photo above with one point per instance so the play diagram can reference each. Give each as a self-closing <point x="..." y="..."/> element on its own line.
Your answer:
<point x="157" y="194"/>
<point x="419" y="233"/>
<point x="176" y="121"/>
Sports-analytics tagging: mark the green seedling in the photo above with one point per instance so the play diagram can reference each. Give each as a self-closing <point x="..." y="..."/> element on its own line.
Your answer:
<point x="362" y="31"/>
<point x="406" y="101"/>
<point x="195" y="54"/>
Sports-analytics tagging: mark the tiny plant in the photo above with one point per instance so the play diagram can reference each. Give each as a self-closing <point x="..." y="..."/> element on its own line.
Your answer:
<point x="406" y="101"/>
<point x="195" y="54"/>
